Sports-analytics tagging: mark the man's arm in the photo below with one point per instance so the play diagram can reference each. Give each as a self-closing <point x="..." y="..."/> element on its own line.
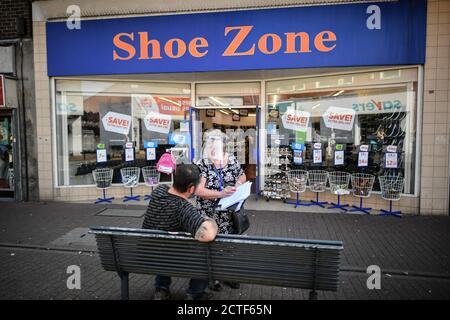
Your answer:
<point x="207" y="231"/>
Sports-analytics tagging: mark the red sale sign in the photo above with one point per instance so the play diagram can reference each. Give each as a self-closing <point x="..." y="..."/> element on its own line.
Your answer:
<point x="117" y="122"/>
<point x="161" y="104"/>
<point x="158" y="122"/>
<point x="296" y="120"/>
<point x="339" y="118"/>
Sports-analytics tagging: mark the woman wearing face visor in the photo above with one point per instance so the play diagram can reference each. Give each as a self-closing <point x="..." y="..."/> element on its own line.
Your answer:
<point x="221" y="174"/>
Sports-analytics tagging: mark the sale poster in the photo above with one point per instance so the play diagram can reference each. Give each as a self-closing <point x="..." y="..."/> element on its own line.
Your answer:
<point x="158" y="122"/>
<point x="317" y="156"/>
<point x="391" y="160"/>
<point x="117" y="122"/>
<point x="339" y="157"/>
<point x="151" y="154"/>
<point x="296" y="120"/>
<point x="101" y="155"/>
<point x="129" y="154"/>
<point x="298" y="157"/>
<point x="363" y="159"/>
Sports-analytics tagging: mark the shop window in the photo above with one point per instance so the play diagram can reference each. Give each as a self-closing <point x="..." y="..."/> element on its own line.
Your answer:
<point x="377" y="109"/>
<point x="94" y="113"/>
<point x="228" y="94"/>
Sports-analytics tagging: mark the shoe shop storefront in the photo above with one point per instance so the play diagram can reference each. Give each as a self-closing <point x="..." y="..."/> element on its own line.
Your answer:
<point x="334" y="88"/>
<point x="9" y="142"/>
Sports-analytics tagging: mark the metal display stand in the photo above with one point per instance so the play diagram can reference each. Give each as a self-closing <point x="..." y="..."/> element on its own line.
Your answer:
<point x="151" y="179"/>
<point x="339" y="182"/>
<point x="11" y="178"/>
<point x="277" y="164"/>
<point x="298" y="180"/>
<point x="391" y="189"/>
<point x="130" y="179"/>
<point x="103" y="180"/>
<point x="318" y="183"/>
<point x="362" y="184"/>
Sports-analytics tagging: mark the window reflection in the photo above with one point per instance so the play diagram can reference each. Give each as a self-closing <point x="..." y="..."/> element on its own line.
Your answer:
<point x="89" y="113"/>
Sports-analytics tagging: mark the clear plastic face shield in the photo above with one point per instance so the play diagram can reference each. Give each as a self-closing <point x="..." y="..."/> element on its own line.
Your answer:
<point x="214" y="149"/>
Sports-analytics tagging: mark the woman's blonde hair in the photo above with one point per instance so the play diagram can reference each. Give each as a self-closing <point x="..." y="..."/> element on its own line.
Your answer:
<point x="215" y="133"/>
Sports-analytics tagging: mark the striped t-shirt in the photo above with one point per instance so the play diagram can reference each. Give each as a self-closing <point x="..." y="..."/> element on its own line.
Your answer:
<point x="169" y="212"/>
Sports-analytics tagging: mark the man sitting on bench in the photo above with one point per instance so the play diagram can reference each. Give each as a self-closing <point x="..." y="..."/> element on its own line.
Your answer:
<point x="169" y="210"/>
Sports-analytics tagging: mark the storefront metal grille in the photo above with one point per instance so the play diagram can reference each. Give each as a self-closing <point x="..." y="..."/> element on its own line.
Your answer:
<point x="54" y="10"/>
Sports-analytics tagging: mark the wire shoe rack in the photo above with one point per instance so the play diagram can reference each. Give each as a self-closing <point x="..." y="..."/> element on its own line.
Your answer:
<point x="298" y="180"/>
<point x="103" y="180"/>
<point x="362" y="185"/>
<point x="339" y="185"/>
<point x="130" y="179"/>
<point x="391" y="190"/>
<point x="318" y="183"/>
<point x="151" y="179"/>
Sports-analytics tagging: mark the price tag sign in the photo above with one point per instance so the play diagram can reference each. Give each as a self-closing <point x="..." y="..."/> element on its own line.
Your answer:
<point x="391" y="160"/>
<point x="129" y="154"/>
<point x="391" y="148"/>
<point x="364" y="147"/>
<point x="317" y="156"/>
<point x="298" y="156"/>
<point x="339" y="157"/>
<point x="151" y="154"/>
<point x="363" y="159"/>
<point x="101" y="155"/>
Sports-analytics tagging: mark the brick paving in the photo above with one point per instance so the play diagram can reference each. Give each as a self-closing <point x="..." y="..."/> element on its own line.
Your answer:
<point x="413" y="253"/>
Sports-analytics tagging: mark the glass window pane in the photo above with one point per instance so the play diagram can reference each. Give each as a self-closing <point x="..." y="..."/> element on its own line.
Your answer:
<point x="375" y="108"/>
<point x="89" y="113"/>
<point x="228" y="94"/>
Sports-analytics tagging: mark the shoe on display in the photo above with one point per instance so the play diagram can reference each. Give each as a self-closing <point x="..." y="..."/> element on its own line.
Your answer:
<point x="162" y="294"/>
<point x="216" y="286"/>
<point x="232" y="285"/>
<point x="200" y="296"/>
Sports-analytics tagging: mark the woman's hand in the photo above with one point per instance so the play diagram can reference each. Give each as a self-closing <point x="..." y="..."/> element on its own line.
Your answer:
<point x="228" y="191"/>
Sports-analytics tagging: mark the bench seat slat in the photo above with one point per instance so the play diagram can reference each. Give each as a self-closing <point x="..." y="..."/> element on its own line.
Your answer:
<point x="296" y="263"/>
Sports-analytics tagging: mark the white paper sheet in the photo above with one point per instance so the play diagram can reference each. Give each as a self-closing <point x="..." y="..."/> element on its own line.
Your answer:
<point x="239" y="196"/>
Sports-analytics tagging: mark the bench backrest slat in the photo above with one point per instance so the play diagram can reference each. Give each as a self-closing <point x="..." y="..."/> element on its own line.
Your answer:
<point x="262" y="260"/>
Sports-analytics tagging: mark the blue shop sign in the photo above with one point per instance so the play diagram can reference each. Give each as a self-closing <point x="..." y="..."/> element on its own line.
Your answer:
<point x="358" y="34"/>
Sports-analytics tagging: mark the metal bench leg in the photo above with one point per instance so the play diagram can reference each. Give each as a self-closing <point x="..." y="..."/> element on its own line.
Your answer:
<point x="125" y="286"/>
<point x="313" y="295"/>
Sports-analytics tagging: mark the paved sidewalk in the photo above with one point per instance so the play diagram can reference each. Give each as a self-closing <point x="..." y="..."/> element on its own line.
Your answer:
<point x="38" y="241"/>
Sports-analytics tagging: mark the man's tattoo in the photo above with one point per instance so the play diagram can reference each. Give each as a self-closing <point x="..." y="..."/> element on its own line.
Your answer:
<point x="200" y="232"/>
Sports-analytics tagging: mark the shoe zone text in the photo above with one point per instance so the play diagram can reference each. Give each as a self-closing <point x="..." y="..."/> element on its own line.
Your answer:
<point x="225" y="310"/>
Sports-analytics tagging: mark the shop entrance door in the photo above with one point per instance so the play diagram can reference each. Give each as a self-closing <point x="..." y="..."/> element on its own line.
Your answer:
<point x="7" y="182"/>
<point x="240" y="124"/>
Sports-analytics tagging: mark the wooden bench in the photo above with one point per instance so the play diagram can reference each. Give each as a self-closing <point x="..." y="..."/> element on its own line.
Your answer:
<point x="306" y="264"/>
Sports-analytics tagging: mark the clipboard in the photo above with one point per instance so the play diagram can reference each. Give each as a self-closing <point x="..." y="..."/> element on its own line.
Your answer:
<point x="236" y="200"/>
<point x="235" y="207"/>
